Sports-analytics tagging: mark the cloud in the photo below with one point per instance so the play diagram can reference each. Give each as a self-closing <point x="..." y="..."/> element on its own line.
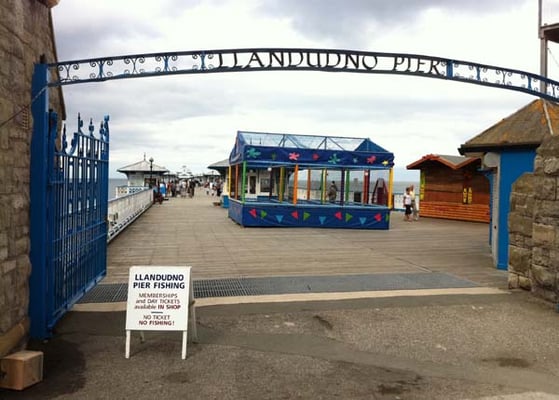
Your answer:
<point x="192" y="119"/>
<point x="354" y="21"/>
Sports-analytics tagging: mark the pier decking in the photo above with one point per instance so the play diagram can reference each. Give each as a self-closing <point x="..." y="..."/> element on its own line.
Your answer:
<point x="184" y="231"/>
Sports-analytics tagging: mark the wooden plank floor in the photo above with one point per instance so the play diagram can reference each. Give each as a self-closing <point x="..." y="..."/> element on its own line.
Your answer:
<point x="194" y="232"/>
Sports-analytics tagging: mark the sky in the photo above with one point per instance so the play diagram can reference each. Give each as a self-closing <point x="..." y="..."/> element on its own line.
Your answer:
<point x="190" y="121"/>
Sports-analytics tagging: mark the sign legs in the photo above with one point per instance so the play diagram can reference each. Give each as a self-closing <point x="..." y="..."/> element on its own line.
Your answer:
<point x="127" y="351"/>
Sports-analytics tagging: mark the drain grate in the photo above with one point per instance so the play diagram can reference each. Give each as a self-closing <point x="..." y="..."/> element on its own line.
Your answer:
<point x="205" y="288"/>
<point x="219" y="288"/>
<point x="354" y="283"/>
<point x="109" y="293"/>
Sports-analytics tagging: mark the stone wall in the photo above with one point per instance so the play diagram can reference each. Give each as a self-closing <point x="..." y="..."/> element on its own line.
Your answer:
<point x="521" y="216"/>
<point x="534" y="225"/>
<point x="25" y="34"/>
<point x="545" y="233"/>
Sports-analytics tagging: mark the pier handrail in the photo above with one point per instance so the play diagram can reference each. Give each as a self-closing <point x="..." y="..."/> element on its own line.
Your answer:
<point x="125" y="209"/>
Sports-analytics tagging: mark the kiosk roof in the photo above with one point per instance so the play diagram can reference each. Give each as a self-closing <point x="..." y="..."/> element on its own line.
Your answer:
<point x="269" y="149"/>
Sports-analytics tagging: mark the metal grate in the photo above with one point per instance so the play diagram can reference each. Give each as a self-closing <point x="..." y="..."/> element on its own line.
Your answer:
<point x="354" y="283"/>
<point x="205" y="288"/>
<point x="110" y="293"/>
<point x="219" y="288"/>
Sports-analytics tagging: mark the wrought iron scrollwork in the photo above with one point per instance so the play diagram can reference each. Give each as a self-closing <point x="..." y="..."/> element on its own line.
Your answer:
<point x="202" y="56"/>
<point x="80" y="142"/>
<point x="166" y="59"/>
<point x="104" y="129"/>
<point x="101" y="73"/>
<point x="501" y="77"/>
<point x="65" y="72"/>
<point x="326" y="60"/>
<point x="135" y="62"/>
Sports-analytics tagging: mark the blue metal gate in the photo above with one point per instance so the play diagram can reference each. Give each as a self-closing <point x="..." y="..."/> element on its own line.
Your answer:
<point x="69" y="200"/>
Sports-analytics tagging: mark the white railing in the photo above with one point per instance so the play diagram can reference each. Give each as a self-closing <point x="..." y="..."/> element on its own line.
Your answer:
<point x="124" y="210"/>
<point x="126" y="190"/>
<point x="399" y="202"/>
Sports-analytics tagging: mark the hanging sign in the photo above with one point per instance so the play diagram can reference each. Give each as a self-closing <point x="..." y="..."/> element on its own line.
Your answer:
<point x="159" y="298"/>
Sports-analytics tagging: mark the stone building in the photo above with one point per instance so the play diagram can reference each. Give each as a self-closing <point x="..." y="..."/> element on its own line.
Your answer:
<point x="26" y="37"/>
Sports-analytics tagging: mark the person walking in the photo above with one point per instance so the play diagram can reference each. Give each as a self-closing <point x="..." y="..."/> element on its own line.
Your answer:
<point x="218" y="188"/>
<point x="414" y="210"/>
<point x="332" y="192"/>
<point x="407" y="205"/>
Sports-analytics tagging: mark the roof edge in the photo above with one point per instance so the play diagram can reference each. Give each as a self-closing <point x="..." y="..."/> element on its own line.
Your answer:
<point x="442" y="160"/>
<point x="483" y="148"/>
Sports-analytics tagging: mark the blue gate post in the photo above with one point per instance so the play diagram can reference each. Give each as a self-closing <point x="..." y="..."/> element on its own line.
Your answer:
<point x="38" y="199"/>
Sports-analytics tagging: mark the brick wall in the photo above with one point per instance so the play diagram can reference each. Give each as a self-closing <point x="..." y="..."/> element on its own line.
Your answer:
<point x="25" y="34"/>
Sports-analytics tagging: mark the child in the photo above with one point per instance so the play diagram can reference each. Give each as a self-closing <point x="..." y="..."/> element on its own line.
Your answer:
<point x="407" y="205"/>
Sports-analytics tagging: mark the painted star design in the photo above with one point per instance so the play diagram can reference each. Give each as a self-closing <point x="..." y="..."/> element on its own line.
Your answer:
<point x="294" y="156"/>
<point x="355" y="160"/>
<point x="371" y="159"/>
<point x="385" y="163"/>
<point x="253" y="153"/>
<point x="334" y="159"/>
<point x="315" y="156"/>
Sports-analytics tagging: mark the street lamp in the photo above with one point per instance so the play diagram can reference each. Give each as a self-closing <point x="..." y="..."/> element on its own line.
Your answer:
<point x="150" y="172"/>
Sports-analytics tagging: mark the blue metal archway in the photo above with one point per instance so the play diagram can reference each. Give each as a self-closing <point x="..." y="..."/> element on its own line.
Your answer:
<point x="300" y="59"/>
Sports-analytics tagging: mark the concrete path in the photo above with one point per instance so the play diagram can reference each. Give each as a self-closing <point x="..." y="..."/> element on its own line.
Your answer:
<point x="498" y="346"/>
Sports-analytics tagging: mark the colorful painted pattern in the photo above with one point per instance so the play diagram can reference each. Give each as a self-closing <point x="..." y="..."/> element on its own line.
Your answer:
<point x="260" y="149"/>
<point x="329" y="216"/>
<point x="256" y="156"/>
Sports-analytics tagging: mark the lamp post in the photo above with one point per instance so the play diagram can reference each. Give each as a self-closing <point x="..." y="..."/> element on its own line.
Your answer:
<point x="150" y="172"/>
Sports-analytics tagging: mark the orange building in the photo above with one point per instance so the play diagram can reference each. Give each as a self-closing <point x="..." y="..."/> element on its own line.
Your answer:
<point x="452" y="187"/>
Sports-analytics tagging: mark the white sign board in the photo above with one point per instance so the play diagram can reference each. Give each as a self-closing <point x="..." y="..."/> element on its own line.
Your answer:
<point x="159" y="298"/>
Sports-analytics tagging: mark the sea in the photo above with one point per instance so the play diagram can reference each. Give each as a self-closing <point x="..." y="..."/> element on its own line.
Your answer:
<point x="113" y="184"/>
<point x="399" y="186"/>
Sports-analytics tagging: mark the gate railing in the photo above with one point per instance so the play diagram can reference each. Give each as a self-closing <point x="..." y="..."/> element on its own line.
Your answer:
<point x="69" y="198"/>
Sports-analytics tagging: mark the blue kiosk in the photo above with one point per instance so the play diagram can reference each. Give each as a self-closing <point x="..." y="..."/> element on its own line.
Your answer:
<point x="284" y="180"/>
